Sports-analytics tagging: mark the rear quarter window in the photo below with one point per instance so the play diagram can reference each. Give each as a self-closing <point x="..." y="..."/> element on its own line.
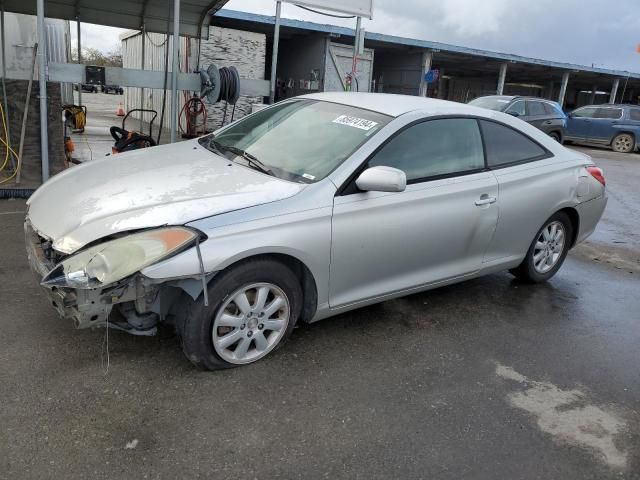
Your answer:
<point x="634" y="114"/>
<point x="611" y="113"/>
<point x="506" y="146"/>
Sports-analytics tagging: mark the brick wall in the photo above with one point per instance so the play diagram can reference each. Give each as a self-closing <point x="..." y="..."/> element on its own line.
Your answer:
<point x="31" y="162"/>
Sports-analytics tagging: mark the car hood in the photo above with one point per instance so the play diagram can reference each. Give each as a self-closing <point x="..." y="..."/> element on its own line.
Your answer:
<point x="165" y="185"/>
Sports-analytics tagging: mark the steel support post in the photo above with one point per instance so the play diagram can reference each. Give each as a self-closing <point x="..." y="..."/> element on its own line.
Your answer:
<point x="563" y="88"/>
<point x="441" y="81"/>
<point x="592" y="97"/>
<point x="427" y="59"/>
<point x="614" y="91"/>
<point x="274" y="57"/>
<point x="79" y="58"/>
<point x="501" y="79"/>
<point x="174" y="70"/>
<point x="354" y="61"/>
<point x="4" y="75"/>
<point x="42" y="80"/>
<point x="144" y="34"/>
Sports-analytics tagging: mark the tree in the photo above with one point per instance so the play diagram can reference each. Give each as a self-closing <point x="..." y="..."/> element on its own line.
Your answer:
<point x="93" y="56"/>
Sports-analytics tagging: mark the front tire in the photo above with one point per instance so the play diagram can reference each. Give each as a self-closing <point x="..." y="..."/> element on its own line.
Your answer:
<point x="253" y="308"/>
<point x="547" y="251"/>
<point x="623" y="143"/>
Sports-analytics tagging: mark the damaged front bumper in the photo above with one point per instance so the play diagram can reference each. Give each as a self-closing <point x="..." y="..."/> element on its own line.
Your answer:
<point x="92" y="307"/>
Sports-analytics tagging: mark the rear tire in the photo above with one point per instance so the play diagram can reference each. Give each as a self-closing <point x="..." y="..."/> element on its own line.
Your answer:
<point x="555" y="136"/>
<point x="211" y="336"/>
<point x="548" y="250"/>
<point x="623" y="143"/>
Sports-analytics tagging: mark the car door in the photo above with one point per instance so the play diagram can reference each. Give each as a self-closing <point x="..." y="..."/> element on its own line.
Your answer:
<point x="579" y="123"/>
<point x="437" y="229"/>
<point x="602" y="128"/>
<point x="537" y="116"/>
<point x="532" y="183"/>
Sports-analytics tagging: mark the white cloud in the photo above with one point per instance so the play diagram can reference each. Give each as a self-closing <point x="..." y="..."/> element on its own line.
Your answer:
<point x="570" y="30"/>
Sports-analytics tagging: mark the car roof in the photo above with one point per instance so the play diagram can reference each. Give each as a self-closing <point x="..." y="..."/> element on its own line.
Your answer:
<point x="519" y="97"/>
<point x="395" y="105"/>
<point x="612" y="105"/>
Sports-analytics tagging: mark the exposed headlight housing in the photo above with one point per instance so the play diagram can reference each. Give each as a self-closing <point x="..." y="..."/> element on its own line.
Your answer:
<point x="111" y="261"/>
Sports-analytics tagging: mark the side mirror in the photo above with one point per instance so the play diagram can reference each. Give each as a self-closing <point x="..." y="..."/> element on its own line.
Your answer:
<point x="382" y="179"/>
<point x="515" y="114"/>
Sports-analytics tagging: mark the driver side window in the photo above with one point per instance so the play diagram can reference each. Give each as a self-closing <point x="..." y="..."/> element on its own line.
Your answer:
<point x="434" y="148"/>
<point x="588" y="112"/>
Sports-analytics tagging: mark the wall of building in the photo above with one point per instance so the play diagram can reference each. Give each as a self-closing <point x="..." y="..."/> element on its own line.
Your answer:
<point x="156" y="46"/>
<point x="398" y="72"/>
<point x="244" y="50"/>
<point x="20" y="35"/>
<point x="301" y="59"/>
<point x="31" y="171"/>
<point x="225" y="47"/>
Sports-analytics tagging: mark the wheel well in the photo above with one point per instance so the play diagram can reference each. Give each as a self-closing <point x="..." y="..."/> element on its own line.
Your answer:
<point x="304" y="275"/>
<point x="572" y="213"/>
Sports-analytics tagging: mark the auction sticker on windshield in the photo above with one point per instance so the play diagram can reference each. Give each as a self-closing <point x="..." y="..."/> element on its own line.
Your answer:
<point x="361" y="123"/>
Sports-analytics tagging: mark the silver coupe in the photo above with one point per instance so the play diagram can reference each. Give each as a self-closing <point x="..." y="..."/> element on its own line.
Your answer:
<point x="312" y="207"/>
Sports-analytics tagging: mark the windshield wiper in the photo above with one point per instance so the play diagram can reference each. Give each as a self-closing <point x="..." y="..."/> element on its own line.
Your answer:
<point x="251" y="159"/>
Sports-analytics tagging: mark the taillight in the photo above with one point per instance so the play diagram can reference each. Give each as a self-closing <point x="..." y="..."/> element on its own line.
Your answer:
<point x="598" y="174"/>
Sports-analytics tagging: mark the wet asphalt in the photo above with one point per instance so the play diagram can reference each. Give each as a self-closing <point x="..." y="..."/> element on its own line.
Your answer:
<point x="411" y="388"/>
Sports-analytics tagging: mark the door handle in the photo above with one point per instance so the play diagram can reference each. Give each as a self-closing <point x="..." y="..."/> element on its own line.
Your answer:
<point x="485" y="200"/>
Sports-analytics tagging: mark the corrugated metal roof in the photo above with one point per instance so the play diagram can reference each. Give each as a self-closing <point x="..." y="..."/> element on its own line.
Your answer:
<point x="416" y="43"/>
<point x="154" y="14"/>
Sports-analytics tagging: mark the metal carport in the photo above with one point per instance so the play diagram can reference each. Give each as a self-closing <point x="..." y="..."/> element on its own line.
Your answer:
<point x="184" y="17"/>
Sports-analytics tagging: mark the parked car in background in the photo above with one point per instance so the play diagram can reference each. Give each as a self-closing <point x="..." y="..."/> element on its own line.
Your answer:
<point x="545" y="115"/>
<point x="118" y="90"/>
<point x="312" y="207"/>
<point x="86" y="87"/>
<point x="615" y="126"/>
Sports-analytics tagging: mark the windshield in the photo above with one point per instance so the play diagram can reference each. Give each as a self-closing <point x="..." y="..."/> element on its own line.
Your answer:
<point x="492" y="103"/>
<point x="298" y="140"/>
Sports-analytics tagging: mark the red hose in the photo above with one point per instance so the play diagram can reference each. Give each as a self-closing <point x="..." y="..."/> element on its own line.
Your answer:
<point x="192" y="109"/>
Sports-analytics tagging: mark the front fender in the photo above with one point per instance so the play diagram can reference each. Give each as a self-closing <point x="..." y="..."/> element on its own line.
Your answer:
<point x="305" y="236"/>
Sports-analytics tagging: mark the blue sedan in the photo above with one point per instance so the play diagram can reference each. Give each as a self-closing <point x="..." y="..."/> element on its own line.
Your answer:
<point x="617" y="126"/>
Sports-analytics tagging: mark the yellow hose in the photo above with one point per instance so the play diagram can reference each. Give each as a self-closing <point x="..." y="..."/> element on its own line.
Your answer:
<point x="6" y="142"/>
<point x="79" y="116"/>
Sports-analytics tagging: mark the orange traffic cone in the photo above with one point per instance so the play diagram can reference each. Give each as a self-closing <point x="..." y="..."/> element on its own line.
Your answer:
<point x="120" y="110"/>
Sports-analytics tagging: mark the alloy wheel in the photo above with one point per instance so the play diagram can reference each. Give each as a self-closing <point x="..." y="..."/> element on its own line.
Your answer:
<point x="549" y="247"/>
<point x="623" y="143"/>
<point x="250" y="323"/>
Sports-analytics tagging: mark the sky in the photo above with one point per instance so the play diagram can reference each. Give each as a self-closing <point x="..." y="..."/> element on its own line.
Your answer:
<point x="584" y="32"/>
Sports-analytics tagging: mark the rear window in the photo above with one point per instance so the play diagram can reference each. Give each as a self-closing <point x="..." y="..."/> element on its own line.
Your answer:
<point x="552" y="109"/>
<point x="634" y="114"/>
<point x="505" y="146"/>
<point x="609" y="113"/>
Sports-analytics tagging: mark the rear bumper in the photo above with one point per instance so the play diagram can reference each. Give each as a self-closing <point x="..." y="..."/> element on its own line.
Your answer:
<point x="590" y="213"/>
